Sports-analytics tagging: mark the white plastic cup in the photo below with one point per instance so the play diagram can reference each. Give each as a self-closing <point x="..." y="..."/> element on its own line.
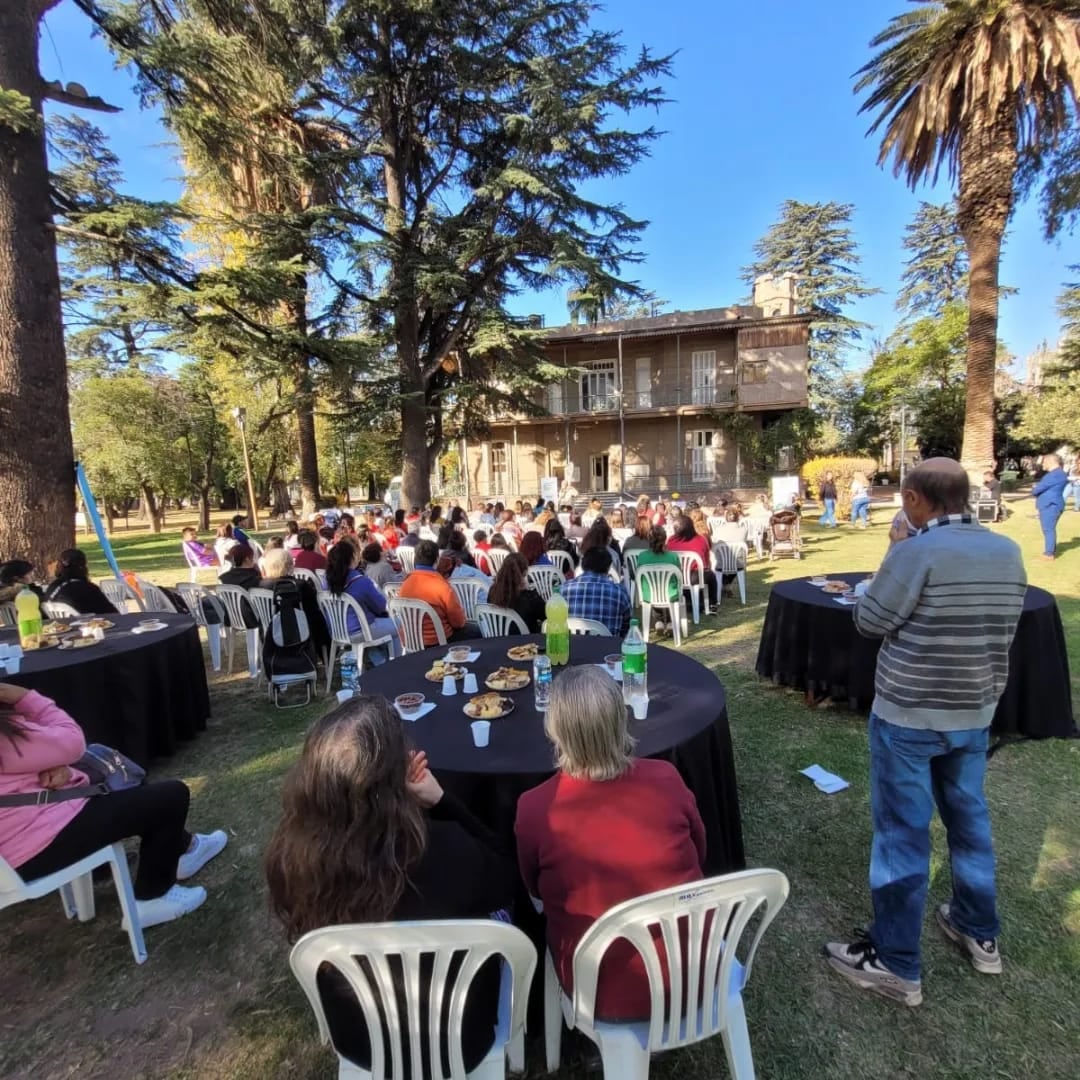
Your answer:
<point x="343" y="696"/>
<point x="12" y="663"/>
<point x="470" y="686"/>
<point x="481" y="732"/>
<point x="640" y="705"/>
<point x="449" y="686"/>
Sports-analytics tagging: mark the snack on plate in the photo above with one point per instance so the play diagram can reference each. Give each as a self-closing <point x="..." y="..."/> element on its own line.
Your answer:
<point x="440" y="669"/>
<point x="524" y="652"/>
<point x="837" y="588"/>
<point x="488" y="707"/>
<point x="99" y="624"/>
<point x="51" y="629"/>
<point x="508" y="678"/>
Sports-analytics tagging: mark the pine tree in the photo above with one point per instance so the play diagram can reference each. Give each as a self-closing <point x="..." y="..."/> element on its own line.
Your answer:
<point x="815" y="242"/>
<point x="936" y="271"/>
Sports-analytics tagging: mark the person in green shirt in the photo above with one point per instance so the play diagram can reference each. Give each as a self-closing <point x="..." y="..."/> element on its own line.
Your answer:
<point x="658" y="555"/>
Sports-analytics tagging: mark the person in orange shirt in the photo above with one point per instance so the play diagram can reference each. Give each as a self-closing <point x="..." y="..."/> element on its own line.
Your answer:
<point x="427" y="584"/>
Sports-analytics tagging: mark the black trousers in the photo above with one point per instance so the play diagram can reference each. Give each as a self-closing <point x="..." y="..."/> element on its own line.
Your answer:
<point x="155" y="813"/>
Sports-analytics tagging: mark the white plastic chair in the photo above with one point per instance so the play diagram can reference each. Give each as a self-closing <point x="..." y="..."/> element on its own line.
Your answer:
<point x="712" y="918"/>
<point x="499" y="621"/>
<point x="731" y="558"/>
<point x="406" y="946"/>
<point x="630" y="559"/>
<point x="469" y="593"/>
<point x="658" y="578"/>
<point x="406" y="556"/>
<point x="9" y="616"/>
<point x="756" y="529"/>
<point x="301" y="574"/>
<point x="77" y="890"/>
<point x="121" y="595"/>
<point x="57" y="609"/>
<point x="588" y="626"/>
<point x="196" y="596"/>
<point x="235" y="601"/>
<point x="262" y="603"/>
<point x="544" y="580"/>
<point x="154" y="599"/>
<point x="335" y="610"/>
<point x="692" y="564"/>
<point x="622" y="535"/>
<point x="562" y="561"/>
<point x="496" y="557"/>
<point x="391" y="589"/>
<point x="409" y="616"/>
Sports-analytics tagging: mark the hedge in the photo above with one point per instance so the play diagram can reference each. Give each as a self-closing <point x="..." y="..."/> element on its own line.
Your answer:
<point x="843" y="470"/>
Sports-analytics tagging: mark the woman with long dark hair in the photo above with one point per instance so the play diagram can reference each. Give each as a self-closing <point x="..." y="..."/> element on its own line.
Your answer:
<point x="555" y="540"/>
<point x="72" y="585"/>
<point x="39" y="743"/>
<point x="368" y="835"/>
<point x="599" y="535"/>
<point x="345" y="576"/>
<point x="511" y="590"/>
<point x="533" y="550"/>
<point x="685" y="537"/>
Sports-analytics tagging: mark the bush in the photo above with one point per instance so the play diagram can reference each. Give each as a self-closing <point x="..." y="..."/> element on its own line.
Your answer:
<point x="843" y="470"/>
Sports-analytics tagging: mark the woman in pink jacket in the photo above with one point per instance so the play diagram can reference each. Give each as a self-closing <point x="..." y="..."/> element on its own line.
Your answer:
<point x="38" y="742"/>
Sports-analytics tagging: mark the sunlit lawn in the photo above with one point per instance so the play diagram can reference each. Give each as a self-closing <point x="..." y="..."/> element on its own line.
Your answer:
<point x="215" y="998"/>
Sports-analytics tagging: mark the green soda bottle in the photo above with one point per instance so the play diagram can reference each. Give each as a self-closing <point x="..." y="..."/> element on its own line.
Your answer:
<point x="558" y="629"/>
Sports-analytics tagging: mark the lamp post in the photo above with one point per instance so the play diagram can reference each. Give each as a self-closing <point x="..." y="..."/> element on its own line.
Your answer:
<point x="902" y="414"/>
<point x="240" y="416"/>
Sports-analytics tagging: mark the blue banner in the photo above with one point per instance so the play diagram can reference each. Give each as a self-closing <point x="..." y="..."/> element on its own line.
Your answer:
<point x="95" y="518"/>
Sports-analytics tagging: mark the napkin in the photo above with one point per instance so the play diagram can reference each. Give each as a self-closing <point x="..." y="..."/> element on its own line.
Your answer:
<point x="147" y="629"/>
<point x="422" y="711"/>
<point x="825" y="781"/>
<point x="473" y="657"/>
<point x="845" y="601"/>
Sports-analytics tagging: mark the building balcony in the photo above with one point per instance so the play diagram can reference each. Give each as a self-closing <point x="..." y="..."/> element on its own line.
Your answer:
<point x="564" y="403"/>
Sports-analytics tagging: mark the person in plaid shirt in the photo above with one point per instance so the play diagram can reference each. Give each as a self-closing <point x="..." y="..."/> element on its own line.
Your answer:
<point x="595" y="596"/>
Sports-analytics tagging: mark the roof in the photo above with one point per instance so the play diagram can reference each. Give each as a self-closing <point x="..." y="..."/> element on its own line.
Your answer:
<point x="737" y="317"/>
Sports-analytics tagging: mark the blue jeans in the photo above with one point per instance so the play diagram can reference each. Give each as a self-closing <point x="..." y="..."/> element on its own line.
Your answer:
<point x="910" y="771"/>
<point x="1048" y="519"/>
<point x="829" y="517"/>
<point x="860" y="508"/>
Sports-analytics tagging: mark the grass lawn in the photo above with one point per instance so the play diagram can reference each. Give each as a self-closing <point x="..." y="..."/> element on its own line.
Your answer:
<point x="216" y="1000"/>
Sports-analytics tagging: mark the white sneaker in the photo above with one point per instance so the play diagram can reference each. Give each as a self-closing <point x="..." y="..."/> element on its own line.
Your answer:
<point x="178" y="901"/>
<point x="204" y="847"/>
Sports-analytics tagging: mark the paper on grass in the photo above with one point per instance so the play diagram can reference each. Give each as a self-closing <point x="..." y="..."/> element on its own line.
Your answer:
<point x="825" y="781"/>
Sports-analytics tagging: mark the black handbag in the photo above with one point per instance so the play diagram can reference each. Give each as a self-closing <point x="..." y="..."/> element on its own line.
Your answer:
<point x="107" y="770"/>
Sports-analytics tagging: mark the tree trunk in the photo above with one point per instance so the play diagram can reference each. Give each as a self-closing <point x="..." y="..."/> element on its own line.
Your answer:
<point x="305" y="438"/>
<point x="150" y="505"/>
<point x="204" y="507"/>
<point x="988" y="162"/>
<point x="416" y="461"/>
<point x="37" y="479"/>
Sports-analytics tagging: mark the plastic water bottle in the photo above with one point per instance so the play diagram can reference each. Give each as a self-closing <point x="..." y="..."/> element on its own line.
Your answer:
<point x="350" y="673"/>
<point x="634" y="664"/>
<point x="542" y="675"/>
<point x="558" y="628"/>
<point x="28" y="612"/>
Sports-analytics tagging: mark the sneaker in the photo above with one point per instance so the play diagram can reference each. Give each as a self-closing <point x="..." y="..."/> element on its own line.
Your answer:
<point x="858" y="962"/>
<point x="204" y="847"/>
<point x="178" y="901"/>
<point x="984" y="955"/>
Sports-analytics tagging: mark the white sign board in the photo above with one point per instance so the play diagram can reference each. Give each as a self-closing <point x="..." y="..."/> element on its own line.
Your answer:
<point x="549" y="489"/>
<point x="782" y="489"/>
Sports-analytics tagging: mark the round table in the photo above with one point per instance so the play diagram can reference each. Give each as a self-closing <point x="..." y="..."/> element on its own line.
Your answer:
<point x="138" y="693"/>
<point x="686" y="725"/>
<point x="809" y="642"/>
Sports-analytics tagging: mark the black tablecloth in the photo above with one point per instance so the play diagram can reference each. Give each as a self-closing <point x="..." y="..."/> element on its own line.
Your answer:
<point x="686" y="725"/>
<point x="809" y="641"/>
<point x="139" y="693"/>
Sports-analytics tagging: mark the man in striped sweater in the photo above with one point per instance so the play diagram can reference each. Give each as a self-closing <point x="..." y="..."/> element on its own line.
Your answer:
<point x="946" y="602"/>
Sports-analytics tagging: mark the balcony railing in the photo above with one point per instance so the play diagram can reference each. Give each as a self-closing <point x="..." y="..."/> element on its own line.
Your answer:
<point x="725" y="396"/>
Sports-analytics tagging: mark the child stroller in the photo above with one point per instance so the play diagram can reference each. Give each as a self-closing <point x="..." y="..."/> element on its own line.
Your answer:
<point x="288" y="652"/>
<point x="784" y="535"/>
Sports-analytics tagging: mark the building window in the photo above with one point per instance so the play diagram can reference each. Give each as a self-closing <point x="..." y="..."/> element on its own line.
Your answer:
<point x="755" y="371"/>
<point x="703" y="377"/>
<point x="598" y="387"/>
<point x="498" y="469"/>
<point x="702" y="454"/>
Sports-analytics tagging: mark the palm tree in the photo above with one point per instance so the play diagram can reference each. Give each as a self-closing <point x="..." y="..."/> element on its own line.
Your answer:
<point x="973" y="85"/>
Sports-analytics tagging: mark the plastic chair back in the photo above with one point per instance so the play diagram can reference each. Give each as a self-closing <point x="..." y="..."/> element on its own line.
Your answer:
<point x="235" y="601"/>
<point x="120" y="594"/>
<point x="262" y="603"/>
<point x="499" y="621"/>
<point x="693" y="569"/>
<point x="154" y="599"/>
<point x="391" y="589"/>
<point x="544" y="579"/>
<point x="469" y="593"/>
<point x="409" y="948"/>
<point x="657" y="581"/>
<point x="57" y="609"/>
<point x="588" y="626"/>
<point x="730" y="557"/>
<point x="9" y="616"/>
<point x="496" y="557"/>
<point x="409" y="616"/>
<point x="407" y="557"/>
<point x="336" y="610"/>
<point x="562" y="561"/>
<point x="308" y="575"/>
<point x="701" y="925"/>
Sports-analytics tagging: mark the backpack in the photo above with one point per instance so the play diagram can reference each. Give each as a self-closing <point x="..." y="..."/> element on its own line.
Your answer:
<point x="288" y="652"/>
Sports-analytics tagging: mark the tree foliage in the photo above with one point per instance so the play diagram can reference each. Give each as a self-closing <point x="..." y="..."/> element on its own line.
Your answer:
<point x="815" y="242"/>
<point x="936" y="270"/>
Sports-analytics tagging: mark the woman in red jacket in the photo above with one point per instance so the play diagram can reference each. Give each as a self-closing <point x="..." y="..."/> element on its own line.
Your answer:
<point x="686" y="538"/>
<point x="606" y="828"/>
<point x="38" y="743"/>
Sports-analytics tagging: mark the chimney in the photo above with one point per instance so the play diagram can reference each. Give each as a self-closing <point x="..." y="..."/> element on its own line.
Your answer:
<point x="775" y="295"/>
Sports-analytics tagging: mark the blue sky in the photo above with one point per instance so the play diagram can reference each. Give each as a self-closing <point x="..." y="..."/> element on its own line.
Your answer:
<point x="762" y="110"/>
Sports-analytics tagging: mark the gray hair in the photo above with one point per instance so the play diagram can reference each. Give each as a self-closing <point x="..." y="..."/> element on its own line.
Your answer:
<point x="276" y="563"/>
<point x="586" y="720"/>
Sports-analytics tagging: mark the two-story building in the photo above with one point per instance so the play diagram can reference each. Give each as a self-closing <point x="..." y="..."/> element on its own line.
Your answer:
<point x="640" y="407"/>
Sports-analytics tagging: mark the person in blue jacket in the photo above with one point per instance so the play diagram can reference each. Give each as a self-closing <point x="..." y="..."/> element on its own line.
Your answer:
<point x="1049" y="495"/>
